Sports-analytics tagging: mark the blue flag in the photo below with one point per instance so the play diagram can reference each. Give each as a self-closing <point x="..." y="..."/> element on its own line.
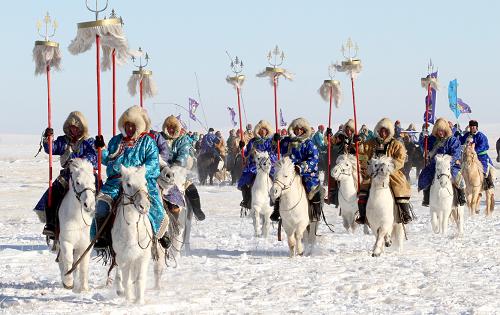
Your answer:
<point x="193" y="105"/>
<point x="463" y="107"/>
<point x="452" y="98"/>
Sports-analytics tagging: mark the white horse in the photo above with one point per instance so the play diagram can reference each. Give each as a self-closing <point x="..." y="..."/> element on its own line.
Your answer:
<point x="260" y="194"/>
<point x="75" y="217"/>
<point x="294" y="207"/>
<point x="441" y="198"/>
<point x="132" y="236"/>
<point x="344" y="172"/>
<point x="381" y="208"/>
<point x="179" y="228"/>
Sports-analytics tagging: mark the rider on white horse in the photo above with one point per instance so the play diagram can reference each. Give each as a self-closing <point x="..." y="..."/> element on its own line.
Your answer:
<point x="261" y="142"/>
<point x="304" y="154"/>
<point x="385" y="145"/>
<point x="176" y="149"/>
<point x="134" y="146"/>
<point x="481" y="146"/>
<point x="442" y="141"/>
<point x="75" y="143"/>
<point x="342" y="143"/>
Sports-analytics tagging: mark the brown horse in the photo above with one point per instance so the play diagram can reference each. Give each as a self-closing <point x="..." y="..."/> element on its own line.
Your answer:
<point x="472" y="171"/>
<point x="415" y="159"/>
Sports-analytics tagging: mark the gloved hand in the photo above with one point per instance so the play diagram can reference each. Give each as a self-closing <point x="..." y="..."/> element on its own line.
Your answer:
<point x="356" y="138"/>
<point x="328" y="132"/>
<point x="457" y="134"/>
<point x="99" y="142"/>
<point x="48" y="132"/>
<point x="241" y="144"/>
<point x="297" y="168"/>
<point x="425" y="133"/>
<point x="276" y="137"/>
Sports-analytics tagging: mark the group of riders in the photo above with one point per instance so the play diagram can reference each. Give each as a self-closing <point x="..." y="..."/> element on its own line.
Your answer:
<point x="138" y="145"/>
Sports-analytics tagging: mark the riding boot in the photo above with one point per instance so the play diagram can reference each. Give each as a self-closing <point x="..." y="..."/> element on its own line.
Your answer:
<point x="102" y="212"/>
<point x="275" y="216"/>
<point x="194" y="200"/>
<point x="427" y="196"/>
<point x="362" y="200"/>
<point x="246" y="192"/>
<point x="460" y="193"/>
<point x="333" y="196"/>
<point x="404" y="207"/>
<point x="165" y="241"/>
<point x="317" y="207"/>
<point x="51" y="211"/>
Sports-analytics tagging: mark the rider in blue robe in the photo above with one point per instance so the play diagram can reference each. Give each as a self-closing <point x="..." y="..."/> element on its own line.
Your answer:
<point x="134" y="146"/>
<point x="304" y="154"/>
<point x="481" y="147"/>
<point x="261" y="142"/>
<point x="442" y="141"/>
<point x="75" y="143"/>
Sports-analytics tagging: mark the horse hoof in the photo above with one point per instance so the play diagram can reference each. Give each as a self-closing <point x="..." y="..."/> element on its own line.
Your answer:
<point x="120" y="293"/>
<point x="68" y="287"/>
<point x="388" y="244"/>
<point x="375" y="255"/>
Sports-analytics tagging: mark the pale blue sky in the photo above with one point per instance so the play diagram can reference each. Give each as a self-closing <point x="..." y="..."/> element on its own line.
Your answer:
<point x="396" y="39"/>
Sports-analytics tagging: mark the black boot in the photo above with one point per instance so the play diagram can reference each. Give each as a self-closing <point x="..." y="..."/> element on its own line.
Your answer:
<point x="165" y="241"/>
<point x="426" y="198"/>
<point x="460" y="193"/>
<point x="362" y="200"/>
<point x="104" y="240"/>
<point x="246" y="192"/>
<point x="51" y="211"/>
<point x="275" y="216"/>
<point x="194" y="200"/>
<point x="405" y="212"/>
<point x="317" y="207"/>
<point x="333" y="197"/>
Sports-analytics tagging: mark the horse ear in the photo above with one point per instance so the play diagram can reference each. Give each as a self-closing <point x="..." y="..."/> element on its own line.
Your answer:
<point x="391" y="166"/>
<point x="142" y="170"/>
<point x="123" y="170"/>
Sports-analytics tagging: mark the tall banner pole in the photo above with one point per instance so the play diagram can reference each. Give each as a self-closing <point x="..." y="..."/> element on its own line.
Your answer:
<point x="237" y="81"/>
<point x="428" y="83"/>
<point x="114" y="92"/>
<point x="275" y="58"/>
<point x="114" y="47"/>
<point x="142" y="77"/>
<point x="46" y="55"/>
<point x="352" y="66"/>
<point x="330" y="91"/>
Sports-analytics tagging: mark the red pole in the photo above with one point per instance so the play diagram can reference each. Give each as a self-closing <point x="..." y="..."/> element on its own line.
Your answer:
<point x="328" y="141"/>
<point x="355" y="130"/>
<point x="114" y="92"/>
<point x="99" y="130"/>
<point x="275" y="82"/>
<point x="426" y="137"/>
<point x="241" y="126"/>
<point x="49" y="124"/>
<point x="140" y="91"/>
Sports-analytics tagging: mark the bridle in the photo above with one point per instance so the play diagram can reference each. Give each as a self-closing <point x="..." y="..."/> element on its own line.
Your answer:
<point x="78" y="194"/>
<point x="261" y="163"/>
<point x="284" y="186"/>
<point x="130" y="200"/>
<point x="343" y="171"/>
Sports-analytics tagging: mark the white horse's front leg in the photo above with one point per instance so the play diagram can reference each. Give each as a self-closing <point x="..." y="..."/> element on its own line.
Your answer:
<point x="120" y="291"/>
<point x="265" y="226"/>
<point x="83" y="270"/>
<point x="141" y="273"/>
<point x="187" y="231"/>
<point x="158" y="268"/>
<point x="127" y="280"/>
<point x="256" y="220"/>
<point x="380" y="238"/>
<point x="66" y="261"/>
<point x="291" y="243"/>
<point x="434" y="221"/>
<point x="444" y="223"/>
<point x="299" y="235"/>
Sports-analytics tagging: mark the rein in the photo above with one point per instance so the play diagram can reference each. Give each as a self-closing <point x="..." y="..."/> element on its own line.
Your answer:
<point x="78" y="195"/>
<point x="285" y="187"/>
<point x="131" y="201"/>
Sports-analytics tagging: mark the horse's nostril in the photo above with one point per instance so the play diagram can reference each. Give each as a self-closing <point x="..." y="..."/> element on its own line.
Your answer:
<point x="85" y="205"/>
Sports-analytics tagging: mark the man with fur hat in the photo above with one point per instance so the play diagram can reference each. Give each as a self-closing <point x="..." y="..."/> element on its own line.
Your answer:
<point x="209" y="142"/>
<point x="261" y="142"/>
<point x="75" y="143"/>
<point x="481" y="147"/>
<point x="344" y="142"/>
<point x="442" y="141"/>
<point x="134" y="146"/>
<point x="385" y="145"/>
<point x="248" y="134"/>
<point x="304" y="154"/>
<point x="179" y="148"/>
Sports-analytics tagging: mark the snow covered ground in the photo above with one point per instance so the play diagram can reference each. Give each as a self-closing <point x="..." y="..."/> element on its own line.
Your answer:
<point x="229" y="271"/>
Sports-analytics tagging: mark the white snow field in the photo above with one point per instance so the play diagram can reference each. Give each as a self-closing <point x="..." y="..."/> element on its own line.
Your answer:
<point x="231" y="272"/>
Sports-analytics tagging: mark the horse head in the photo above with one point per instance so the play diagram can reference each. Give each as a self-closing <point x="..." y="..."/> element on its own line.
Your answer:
<point x="443" y="169"/>
<point x="135" y="189"/>
<point x="82" y="181"/>
<point x="284" y="177"/>
<point x="262" y="161"/>
<point x="380" y="168"/>
<point x="345" y="166"/>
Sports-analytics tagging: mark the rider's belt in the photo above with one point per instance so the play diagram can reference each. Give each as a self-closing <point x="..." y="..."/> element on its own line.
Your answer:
<point x="115" y="176"/>
<point x="482" y="153"/>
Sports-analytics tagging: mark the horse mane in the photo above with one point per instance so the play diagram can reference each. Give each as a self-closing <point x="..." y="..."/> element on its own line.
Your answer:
<point x="81" y="164"/>
<point x="470" y="157"/>
<point x="284" y="163"/>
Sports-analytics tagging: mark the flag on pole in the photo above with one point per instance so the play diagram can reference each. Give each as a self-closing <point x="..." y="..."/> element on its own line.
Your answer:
<point x="452" y="98"/>
<point x="193" y="105"/>
<point x="232" y="114"/>
<point x="463" y="107"/>
<point x="282" y="121"/>
<point x="183" y="124"/>
<point x="432" y="102"/>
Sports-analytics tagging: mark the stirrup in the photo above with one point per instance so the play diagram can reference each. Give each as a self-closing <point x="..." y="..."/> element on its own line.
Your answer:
<point x="49" y="232"/>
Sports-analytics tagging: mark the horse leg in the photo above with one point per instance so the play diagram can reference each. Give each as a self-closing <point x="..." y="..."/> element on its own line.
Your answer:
<point x="366" y="229"/>
<point x="459" y="218"/>
<point x="299" y="241"/>
<point x="265" y="226"/>
<point x="65" y="263"/>
<point x="158" y="266"/>
<point x="346" y="223"/>
<point x="141" y="273"/>
<point x="83" y="270"/>
<point x="187" y="231"/>
<point x="120" y="291"/>
<point x="256" y="220"/>
<point x="469" y="203"/>
<point x="291" y="243"/>
<point x="444" y="222"/>
<point x="127" y="283"/>
<point x="434" y="221"/>
<point x="380" y="238"/>
<point x="398" y="236"/>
